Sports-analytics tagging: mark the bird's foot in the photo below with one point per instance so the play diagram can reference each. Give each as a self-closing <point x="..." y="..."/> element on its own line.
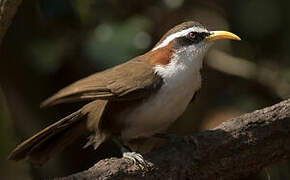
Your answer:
<point x="137" y="159"/>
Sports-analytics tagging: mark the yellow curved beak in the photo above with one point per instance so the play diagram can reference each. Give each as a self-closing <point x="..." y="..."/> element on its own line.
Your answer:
<point x="216" y="35"/>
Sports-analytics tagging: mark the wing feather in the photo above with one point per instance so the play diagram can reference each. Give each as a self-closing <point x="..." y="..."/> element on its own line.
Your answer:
<point x="133" y="79"/>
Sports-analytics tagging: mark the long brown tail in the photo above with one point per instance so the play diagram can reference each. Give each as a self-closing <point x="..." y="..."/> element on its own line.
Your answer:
<point x="52" y="139"/>
<point x="57" y="136"/>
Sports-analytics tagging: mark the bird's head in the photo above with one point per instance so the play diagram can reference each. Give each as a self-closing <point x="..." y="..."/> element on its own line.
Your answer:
<point x="185" y="44"/>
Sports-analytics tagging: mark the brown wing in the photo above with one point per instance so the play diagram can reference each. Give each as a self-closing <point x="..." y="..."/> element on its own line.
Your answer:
<point x="133" y="79"/>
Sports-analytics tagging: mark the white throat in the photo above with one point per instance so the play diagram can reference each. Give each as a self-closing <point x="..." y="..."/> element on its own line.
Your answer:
<point x="182" y="80"/>
<point x="185" y="62"/>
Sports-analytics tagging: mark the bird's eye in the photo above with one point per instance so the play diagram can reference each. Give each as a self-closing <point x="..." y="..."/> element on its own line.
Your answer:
<point x="192" y="35"/>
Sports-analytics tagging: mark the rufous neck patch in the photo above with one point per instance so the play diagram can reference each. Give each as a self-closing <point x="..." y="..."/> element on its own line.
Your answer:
<point x="162" y="56"/>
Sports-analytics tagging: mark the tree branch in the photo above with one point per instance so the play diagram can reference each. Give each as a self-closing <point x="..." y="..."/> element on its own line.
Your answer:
<point x="8" y="9"/>
<point x="235" y="149"/>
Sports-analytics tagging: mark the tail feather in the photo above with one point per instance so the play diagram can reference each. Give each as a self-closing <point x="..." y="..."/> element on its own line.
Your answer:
<point x="43" y="151"/>
<point x="39" y="147"/>
<point x="57" y="136"/>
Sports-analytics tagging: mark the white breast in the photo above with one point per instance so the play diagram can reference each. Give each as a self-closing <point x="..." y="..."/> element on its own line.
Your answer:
<point x="181" y="80"/>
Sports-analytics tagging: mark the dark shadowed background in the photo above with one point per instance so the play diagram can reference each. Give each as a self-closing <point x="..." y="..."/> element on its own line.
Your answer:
<point x="52" y="43"/>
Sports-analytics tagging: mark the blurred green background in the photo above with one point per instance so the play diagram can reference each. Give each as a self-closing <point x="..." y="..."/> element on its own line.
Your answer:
<point x="52" y="43"/>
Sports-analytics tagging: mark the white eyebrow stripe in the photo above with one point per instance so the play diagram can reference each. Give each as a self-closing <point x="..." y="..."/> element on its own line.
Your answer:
<point x="184" y="32"/>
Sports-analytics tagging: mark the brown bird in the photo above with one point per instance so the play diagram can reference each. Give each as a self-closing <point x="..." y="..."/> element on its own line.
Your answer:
<point x="130" y="102"/>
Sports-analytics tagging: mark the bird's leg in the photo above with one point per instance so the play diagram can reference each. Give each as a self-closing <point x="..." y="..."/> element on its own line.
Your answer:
<point x="127" y="153"/>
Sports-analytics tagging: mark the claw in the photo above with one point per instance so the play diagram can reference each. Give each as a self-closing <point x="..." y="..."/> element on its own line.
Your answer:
<point x="135" y="157"/>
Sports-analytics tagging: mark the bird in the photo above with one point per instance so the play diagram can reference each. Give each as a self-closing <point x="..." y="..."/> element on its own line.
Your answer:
<point x="130" y="102"/>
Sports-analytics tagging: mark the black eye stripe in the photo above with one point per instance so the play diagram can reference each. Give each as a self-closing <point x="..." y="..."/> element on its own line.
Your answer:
<point x="192" y="38"/>
<point x="197" y="36"/>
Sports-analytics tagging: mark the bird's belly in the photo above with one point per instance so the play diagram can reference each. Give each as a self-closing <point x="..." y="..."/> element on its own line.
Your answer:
<point x="155" y="114"/>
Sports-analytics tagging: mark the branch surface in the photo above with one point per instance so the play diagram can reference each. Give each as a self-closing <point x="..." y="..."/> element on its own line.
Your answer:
<point x="8" y="9"/>
<point x="235" y="149"/>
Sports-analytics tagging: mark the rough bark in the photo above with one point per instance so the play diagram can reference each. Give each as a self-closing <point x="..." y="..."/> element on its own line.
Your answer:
<point x="235" y="149"/>
<point x="8" y="8"/>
